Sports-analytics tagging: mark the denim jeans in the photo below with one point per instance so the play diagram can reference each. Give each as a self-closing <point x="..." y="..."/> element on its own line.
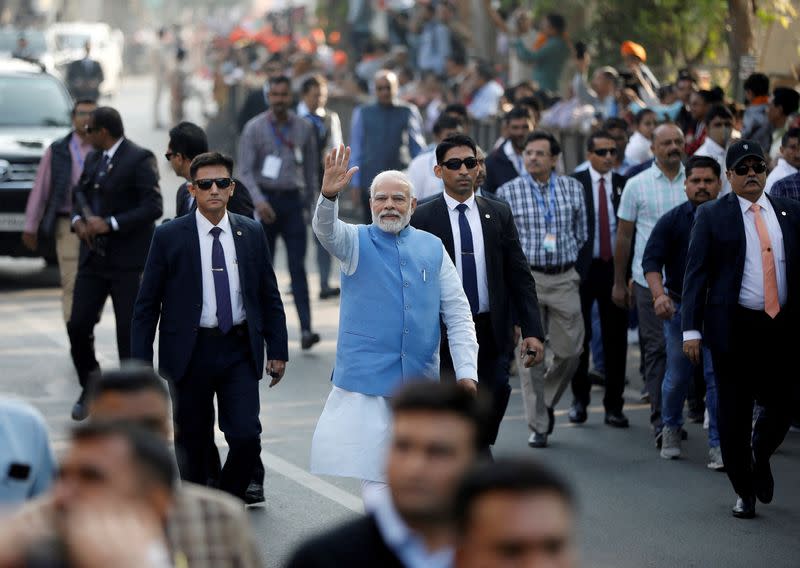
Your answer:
<point x="598" y="359"/>
<point x="678" y="379"/>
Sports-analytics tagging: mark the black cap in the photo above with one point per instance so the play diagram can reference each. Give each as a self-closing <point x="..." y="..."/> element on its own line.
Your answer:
<point x="742" y="149"/>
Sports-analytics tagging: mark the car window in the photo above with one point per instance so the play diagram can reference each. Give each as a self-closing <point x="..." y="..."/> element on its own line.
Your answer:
<point x="36" y="100"/>
<point x="66" y="40"/>
<point x="36" y="40"/>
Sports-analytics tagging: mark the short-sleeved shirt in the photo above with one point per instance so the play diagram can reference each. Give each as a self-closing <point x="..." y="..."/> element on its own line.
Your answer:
<point x="646" y="198"/>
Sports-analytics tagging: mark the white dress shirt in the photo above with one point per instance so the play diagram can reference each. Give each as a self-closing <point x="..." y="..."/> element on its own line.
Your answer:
<point x="751" y="294"/>
<point x="711" y="149"/>
<point x="208" y="316"/>
<point x="612" y="218"/>
<point x="782" y="170"/>
<point x="474" y="220"/>
<point x="424" y="180"/>
<point x="638" y="149"/>
<point x="514" y="158"/>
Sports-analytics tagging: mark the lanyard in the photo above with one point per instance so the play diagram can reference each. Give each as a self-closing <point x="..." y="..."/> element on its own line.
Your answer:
<point x="281" y="134"/>
<point x="77" y="153"/>
<point x="550" y="207"/>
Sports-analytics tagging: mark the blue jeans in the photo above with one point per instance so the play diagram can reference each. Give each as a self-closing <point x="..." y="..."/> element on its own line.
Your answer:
<point x="598" y="359"/>
<point x="678" y="379"/>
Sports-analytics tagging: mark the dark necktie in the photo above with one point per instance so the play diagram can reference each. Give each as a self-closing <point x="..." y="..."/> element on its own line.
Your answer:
<point x="602" y="219"/>
<point x="99" y="174"/>
<point x="469" y="274"/>
<point x="222" y="289"/>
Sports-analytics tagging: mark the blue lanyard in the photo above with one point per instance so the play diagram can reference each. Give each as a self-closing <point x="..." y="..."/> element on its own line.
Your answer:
<point x="282" y="137"/>
<point x="76" y="149"/>
<point x="549" y="208"/>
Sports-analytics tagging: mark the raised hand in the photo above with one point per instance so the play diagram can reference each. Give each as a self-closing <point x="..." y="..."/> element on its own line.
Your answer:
<point x="337" y="176"/>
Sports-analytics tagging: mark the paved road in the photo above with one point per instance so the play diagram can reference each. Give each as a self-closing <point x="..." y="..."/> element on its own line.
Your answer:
<point x="635" y="508"/>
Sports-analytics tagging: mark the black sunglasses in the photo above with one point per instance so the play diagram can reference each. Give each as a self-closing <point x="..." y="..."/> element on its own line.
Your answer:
<point x="743" y="169"/>
<point x="205" y="184"/>
<point x="603" y="152"/>
<point x="456" y="163"/>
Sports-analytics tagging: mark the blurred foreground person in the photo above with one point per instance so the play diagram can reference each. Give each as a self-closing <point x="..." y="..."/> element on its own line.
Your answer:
<point x="437" y="436"/>
<point x="515" y="513"/>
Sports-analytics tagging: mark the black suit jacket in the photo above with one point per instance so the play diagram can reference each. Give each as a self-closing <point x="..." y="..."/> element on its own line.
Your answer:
<point x="510" y="280"/>
<point x="586" y="252"/>
<point x="499" y="170"/>
<point x="715" y="266"/>
<point x="172" y="291"/>
<point x="128" y="192"/>
<point x="356" y="544"/>
<point x="83" y="81"/>
<point x="240" y="203"/>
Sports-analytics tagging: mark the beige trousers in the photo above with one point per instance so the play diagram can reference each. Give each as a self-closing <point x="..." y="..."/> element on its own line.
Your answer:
<point x="560" y="306"/>
<point x="67" y="247"/>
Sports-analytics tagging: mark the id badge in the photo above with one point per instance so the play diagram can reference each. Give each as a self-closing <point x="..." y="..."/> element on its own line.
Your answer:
<point x="298" y="155"/>
<point x="549" y="244"/>
<point x="272" y="167"/>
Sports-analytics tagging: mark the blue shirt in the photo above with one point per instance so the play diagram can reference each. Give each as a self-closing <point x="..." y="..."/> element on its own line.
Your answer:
<point x="23" y="442"/>
<point x="668" y="246"/>
<point x="408" y="546"/>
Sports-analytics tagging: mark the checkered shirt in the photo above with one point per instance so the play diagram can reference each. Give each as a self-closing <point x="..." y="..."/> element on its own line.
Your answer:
<point x="569" y="221"/>
<point x="787" y="187"/>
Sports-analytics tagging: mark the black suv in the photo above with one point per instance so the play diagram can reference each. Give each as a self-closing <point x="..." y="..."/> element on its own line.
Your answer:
<point x="35" y="110"/>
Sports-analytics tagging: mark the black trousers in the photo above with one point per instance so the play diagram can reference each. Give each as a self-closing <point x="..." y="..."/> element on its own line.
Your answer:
<point x="221" y="366"/>
<point x="493" y="368"/>
<point x="93" y="285"/>
<point x="756" y="368"/>
<point x="614" y="329"/>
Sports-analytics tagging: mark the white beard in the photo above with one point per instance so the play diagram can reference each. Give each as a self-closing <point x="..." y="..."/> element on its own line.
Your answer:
<point x="393" y="227"/>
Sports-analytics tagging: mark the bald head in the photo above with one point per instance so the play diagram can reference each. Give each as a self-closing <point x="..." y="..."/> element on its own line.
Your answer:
<point x="668" y="143"/>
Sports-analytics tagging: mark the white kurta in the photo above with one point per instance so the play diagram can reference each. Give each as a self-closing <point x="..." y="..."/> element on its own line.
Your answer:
<point x="354" y="431"/>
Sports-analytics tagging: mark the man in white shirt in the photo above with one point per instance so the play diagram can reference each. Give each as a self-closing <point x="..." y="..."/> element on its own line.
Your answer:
<point x="719" y="127"/>
<point x="420" y="170"/>
<point x="741" y="274"/>
<point x="486" y="94"/>
<point x="789" y="162"/>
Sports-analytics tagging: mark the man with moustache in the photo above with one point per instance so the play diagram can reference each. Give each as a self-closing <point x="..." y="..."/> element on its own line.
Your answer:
<point x="665" y="254"/>
<point x="396" y="283"/>
<point x="740" y="287"/>
<point x="646" y="198"/>
<point x="481" y="238"/>
<point x="506" y="162"/>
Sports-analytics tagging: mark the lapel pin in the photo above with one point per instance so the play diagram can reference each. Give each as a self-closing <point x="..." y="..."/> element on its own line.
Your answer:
<point x="239" y="233"/>
<point x="783" y="213"/>
<point x="488" y="216"/>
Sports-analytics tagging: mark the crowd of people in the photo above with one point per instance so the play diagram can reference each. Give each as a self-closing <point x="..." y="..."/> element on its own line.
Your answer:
<point x="470" y="262"/>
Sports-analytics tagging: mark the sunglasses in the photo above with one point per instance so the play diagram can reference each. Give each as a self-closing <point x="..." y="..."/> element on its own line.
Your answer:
<point x="456" y="163"/>
<point x="205" y="184"/>
<point x="603" y="152"/>
<point x="743" y="169"/>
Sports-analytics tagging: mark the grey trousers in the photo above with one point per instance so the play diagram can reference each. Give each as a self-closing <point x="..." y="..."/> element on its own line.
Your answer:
<point x="560" y="306"/>
<point x="654" y="351"/>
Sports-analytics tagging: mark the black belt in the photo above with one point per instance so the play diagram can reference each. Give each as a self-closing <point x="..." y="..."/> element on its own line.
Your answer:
<point x="64" y="215"/>
<point x="240" y="330"/>
<point x="555" y="269"/>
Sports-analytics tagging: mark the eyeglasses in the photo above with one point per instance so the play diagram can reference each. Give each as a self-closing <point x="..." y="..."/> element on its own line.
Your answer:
<point x="205" y="184"/>
<point x="169" y="155"/>
<point x="603" y="152"/>
<point x="744" y="169"/>
<point x="456" y="163"/>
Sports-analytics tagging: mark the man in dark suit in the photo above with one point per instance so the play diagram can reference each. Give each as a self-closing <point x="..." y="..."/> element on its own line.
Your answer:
<point x="742" y="274"/>
<point x="480" y="236"/>
<point x="505" y="163"/>
<point x="115" y="205"/>
<point x="186" y="142"/>
<point x="437" y="434"/>
<point x="602" y="190"/>
<point x="209" y="280"/>
<point x="84" y="77"/>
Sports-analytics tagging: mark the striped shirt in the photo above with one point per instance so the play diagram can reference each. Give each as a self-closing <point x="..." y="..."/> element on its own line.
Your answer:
<point x="646" y="198"/>
<point x="567" y="222"/>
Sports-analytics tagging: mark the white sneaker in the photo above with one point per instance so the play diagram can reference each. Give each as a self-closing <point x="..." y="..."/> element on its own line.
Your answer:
<point x="715" y="459"/>
<point x="671" y="443"/>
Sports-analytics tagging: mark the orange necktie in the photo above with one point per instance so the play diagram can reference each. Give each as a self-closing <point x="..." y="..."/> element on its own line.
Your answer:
<point x="771" y="304"/>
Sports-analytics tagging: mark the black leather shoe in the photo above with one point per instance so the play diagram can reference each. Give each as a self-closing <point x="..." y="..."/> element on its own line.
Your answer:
<point x="745" y="508"/>
<point x="577" y="414"/>
<point x="309" y="339"/>
<point x="329" y="293"/>
<point x="254" y="494"/>
<point x="551" y="420"/>
<point x="617" y="419"/>
<point x="537" y="440"/>
<point x="764" y="482"/>
<point x="80" y="410"/>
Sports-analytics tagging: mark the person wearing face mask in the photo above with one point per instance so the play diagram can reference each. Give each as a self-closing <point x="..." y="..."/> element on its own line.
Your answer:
<point x="719" y="128"/>
<point x="666" y="253"/>
<point x="638" y="148"/>
<point x="396" y="283"/>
